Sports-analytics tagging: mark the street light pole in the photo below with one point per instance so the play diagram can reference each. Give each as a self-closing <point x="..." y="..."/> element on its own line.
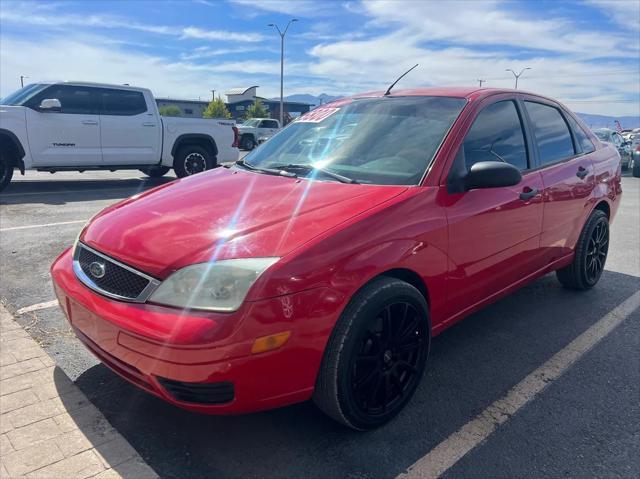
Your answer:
<point x="518" y="75"/>
<point x="22" y="77"/>
<point x="282" y="34"/>
<point x="481" y="81"/>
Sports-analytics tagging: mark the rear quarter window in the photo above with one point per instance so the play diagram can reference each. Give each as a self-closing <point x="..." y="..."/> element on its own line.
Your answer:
<point x="551" y="133"/>
<point x="582" y="139"/>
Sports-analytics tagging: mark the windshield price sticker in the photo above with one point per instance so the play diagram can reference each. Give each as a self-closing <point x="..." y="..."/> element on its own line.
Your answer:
<point x="317" y="115"/>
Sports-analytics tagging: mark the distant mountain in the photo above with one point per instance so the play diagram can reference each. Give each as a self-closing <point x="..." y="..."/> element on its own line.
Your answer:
<point x="603" y="121"/>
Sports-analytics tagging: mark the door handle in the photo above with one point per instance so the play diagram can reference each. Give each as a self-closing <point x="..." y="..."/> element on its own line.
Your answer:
<point x="528" y="193"/>
<point x="89" y="122"/>
<point x="582" y="172"/>
<point x="148" y="124"/>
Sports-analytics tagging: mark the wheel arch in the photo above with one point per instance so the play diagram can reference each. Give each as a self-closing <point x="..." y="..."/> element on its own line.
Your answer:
<point x="603" y="206"/>
<point x="10" y="142"/>
<point x="408" y="276"/>
<point x="200" y="139"/>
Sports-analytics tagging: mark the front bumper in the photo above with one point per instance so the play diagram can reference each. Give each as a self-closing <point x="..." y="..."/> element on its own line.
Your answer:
<point x="168" y="352"/>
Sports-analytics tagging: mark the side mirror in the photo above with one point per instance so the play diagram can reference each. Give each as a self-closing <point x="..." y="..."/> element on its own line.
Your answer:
<point x="492" y="174"/>
<point x="50" y="104"/>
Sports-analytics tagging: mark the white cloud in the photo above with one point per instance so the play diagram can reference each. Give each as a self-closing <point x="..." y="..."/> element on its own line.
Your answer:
<point x="51" y="20"/>
<point x="300" y="8"/>
<point x="490" y="22"/>
<point x="74" y="59"/>
<point x="624" y="12"/>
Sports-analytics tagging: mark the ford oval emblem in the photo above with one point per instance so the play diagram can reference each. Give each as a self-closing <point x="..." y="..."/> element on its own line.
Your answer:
<point x="97" y="269"/>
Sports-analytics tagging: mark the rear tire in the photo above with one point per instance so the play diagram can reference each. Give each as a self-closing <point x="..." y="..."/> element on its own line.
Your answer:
<point x="156" y="171"/>
<point x="590" y="255"/>
<point x="248" y="143"/>
<point x="193" y="159"/>
<point x="376" y="355"/>
<point x="6" y="171"/>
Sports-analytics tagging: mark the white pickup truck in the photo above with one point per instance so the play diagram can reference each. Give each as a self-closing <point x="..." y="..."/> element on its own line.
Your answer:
<point x="257" y="130"/>
<point x="88" y="126"/>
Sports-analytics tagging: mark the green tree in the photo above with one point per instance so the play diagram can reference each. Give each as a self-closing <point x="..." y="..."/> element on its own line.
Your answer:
<point x="170" y="110"/>
<point x="257" y="110"/>
<point x="216" y="109"/>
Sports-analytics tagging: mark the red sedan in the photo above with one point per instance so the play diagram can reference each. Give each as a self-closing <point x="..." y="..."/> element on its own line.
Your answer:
<point x="322" y="265"/>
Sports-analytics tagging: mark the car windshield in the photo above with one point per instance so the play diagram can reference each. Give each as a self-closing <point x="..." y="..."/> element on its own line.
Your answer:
<point x="22" y="95"/>
<point x="251" y="123"/>
<point x="602" y="135"/>
<point x="388" y="140"/>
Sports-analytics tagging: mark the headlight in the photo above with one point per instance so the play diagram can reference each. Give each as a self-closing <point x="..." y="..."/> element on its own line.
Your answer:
<point x="216" y="286"/>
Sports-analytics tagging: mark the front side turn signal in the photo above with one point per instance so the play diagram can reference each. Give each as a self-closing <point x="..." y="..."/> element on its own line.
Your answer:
<point x="269" y="343"/>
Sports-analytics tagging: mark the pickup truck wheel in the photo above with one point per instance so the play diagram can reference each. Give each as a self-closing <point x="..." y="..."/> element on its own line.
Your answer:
<point x="193" y="159"/>
<point x="6" y="171"/>
<point x="248" y="143"/>
<point x="156" y="171"/>
<point x="590" y="256"/>
<point x="376" y="355"/>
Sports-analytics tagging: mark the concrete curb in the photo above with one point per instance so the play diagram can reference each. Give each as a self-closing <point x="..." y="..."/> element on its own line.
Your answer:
<point x="48" y="428"/>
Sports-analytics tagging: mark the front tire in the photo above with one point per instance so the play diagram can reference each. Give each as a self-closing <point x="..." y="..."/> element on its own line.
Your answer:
<point x="590" y="255"/>
<point x="376" y="355"/>
<point x="156" y="171"/>
<point x="6" y="171"/>
<point x="193" y="159"/>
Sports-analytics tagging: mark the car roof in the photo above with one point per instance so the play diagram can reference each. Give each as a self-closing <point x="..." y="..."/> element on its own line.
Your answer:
<point x="469" y="93"/>
<point x="94" y="84"/>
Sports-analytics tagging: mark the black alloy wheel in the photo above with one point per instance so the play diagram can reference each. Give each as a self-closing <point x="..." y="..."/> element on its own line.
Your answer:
<point x="597" y="251"/>
<point x="376" y="355"/>
<point x="590" y="254"/>
<point x="385" y="367"/>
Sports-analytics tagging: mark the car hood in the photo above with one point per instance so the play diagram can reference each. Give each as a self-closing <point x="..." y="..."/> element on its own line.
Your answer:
<point x="223" y="214"/>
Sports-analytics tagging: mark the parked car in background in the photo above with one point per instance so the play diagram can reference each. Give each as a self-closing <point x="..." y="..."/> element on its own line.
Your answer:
<point x="90" y="126"/>
<point x="623" y="146"/>
<point x="634" y="163"/>
<point x="345" y="258"/>
<point x="256" y="130"/>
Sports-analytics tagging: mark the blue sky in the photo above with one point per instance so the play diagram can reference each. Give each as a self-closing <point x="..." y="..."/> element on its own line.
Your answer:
<point x="585" y="53"/>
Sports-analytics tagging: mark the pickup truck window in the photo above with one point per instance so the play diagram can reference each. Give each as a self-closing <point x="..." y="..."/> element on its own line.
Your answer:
<point x="75" y="100"/>
<point x="122" y="102"/>
<point x="551" y="132"/>
<point x="385" y="141"/>
<point x="269" y="124"/>
<point x="18" y="98"/>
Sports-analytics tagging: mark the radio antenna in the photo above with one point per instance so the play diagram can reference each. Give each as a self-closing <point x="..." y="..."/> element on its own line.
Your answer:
<point x="399" y="78"/>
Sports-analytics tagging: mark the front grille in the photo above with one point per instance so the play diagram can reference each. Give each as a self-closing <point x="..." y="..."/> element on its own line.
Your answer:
<point x="200" y="393"/>
<point x="113" y="279"/>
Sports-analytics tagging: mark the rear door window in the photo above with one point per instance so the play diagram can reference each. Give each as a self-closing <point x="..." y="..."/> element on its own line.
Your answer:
<point x="122" y="102"/>
<point x="551" y="133"/>
<point x="497" y="135"/>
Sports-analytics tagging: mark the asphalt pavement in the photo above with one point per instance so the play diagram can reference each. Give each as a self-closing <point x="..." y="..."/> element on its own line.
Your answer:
<point x="584" y="424"/>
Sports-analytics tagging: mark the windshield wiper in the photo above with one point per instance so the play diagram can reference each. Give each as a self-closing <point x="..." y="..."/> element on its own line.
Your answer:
<point x="268" y="171"/>
<point x="309" y="168"/>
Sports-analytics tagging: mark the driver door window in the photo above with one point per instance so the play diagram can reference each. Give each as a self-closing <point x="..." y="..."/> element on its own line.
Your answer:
<point x="496" y="135"/>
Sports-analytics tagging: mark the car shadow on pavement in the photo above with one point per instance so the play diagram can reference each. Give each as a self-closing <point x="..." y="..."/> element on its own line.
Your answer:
<point x="471" y="365"/>
<point x="61" y="192"/>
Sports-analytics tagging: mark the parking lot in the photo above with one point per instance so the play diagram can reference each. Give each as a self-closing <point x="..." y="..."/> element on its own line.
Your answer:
<point x="585" y="423"/>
